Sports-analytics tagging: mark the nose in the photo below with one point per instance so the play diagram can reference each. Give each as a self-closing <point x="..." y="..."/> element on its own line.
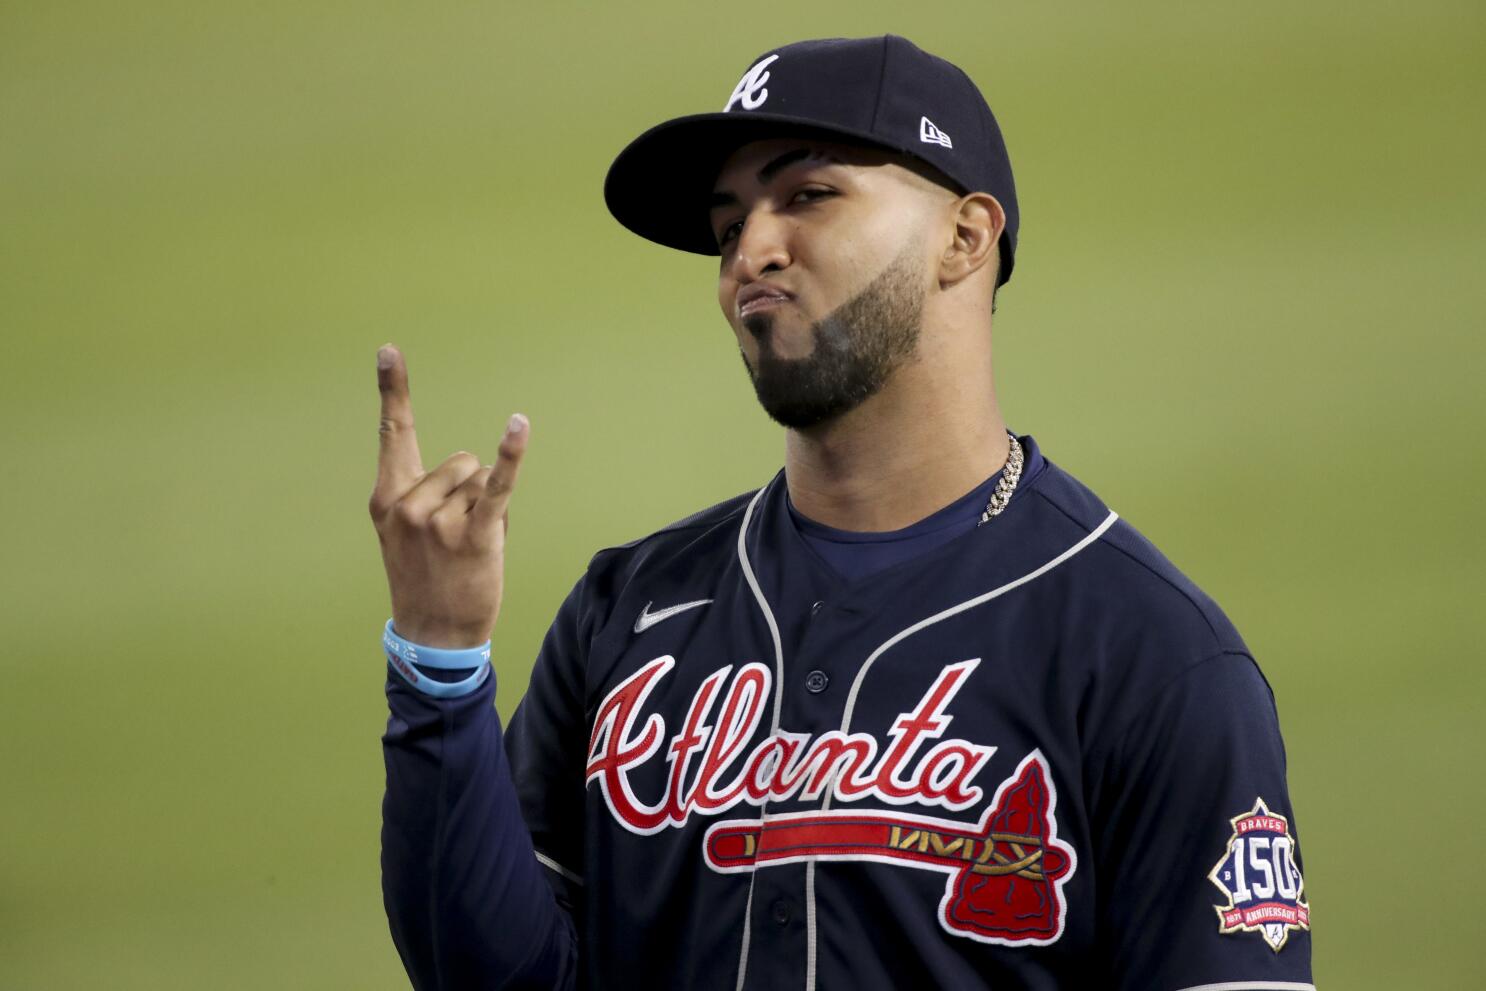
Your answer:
<point x="762" y="246"/>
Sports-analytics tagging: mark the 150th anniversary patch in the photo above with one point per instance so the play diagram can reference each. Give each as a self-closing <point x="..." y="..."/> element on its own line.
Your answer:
<point x="1259" y="877"/>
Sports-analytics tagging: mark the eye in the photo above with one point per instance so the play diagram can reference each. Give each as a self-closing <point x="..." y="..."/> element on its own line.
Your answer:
<point x="729" y="232"/>
<point x="811" y="193"/>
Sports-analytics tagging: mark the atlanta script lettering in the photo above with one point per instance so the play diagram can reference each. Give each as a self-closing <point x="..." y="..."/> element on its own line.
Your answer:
<point x="712" y="771"/>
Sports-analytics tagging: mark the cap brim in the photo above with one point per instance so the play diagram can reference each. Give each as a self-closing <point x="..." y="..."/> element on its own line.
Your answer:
<point x="660" y="186"/>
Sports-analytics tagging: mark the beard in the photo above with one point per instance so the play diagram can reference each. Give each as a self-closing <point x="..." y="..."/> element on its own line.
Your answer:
<point x="858" y="346"/>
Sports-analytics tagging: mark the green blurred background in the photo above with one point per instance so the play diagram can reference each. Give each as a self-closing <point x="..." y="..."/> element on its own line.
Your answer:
<point x="1247" y="311"/>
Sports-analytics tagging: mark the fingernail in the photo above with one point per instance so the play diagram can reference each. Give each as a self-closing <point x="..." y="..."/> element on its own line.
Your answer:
<point x="384" y="356"/>
<point x="516" y="424"/>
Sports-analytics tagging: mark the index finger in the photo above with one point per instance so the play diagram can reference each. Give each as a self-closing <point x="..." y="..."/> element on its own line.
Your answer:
<point x="399" y="464"/>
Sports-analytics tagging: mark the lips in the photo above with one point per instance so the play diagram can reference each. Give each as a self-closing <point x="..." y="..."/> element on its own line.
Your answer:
<point x="759" y="296"/>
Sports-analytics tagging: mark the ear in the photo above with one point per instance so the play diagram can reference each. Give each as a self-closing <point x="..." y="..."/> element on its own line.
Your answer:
<point x="978" y="222"/>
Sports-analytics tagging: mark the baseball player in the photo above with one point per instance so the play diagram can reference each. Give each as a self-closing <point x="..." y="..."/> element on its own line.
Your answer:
<point x="919" y="712"/>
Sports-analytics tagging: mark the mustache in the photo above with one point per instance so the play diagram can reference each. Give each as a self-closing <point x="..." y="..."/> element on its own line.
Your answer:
<point x="889" y="284"/>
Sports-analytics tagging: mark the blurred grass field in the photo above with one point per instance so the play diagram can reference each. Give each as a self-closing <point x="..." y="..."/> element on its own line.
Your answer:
<point x="1247" y="312"/>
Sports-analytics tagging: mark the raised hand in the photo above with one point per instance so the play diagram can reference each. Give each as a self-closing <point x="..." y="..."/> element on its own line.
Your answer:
<point x="443" y="532"/>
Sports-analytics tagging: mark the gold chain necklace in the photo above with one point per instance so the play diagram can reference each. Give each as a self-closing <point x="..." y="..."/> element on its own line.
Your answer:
<point x="1010" y="475"/>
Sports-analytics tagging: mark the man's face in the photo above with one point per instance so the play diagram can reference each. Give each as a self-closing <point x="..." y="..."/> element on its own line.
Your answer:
<point x="823" y="272"/>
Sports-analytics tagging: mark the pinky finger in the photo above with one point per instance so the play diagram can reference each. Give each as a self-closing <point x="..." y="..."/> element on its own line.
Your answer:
<point x="494" y="502"/>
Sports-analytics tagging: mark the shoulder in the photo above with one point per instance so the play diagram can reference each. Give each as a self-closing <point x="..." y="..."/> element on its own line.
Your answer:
<point x="698" y="541"/>
<point x="1127" y="588"/>
<point x="683" y="533"/>
<point x="1144" y="641"/>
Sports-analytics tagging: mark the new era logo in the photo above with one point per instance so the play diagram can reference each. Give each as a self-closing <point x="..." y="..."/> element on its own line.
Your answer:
<point x="929" y="134"/>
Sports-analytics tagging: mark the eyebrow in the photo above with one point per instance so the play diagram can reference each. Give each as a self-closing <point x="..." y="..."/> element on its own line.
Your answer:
<point x="774" y="167"/>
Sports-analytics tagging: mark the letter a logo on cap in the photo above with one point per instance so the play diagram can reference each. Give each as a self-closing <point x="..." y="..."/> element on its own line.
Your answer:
<point x="931" y="135"/>
<point x="750" y="89"/>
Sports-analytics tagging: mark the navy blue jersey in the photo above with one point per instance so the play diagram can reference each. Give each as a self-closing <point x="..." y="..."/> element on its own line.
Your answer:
<point x="1035" y="756"/>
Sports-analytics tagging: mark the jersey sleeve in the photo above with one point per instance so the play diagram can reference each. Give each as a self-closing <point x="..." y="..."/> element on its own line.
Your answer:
<point x="547" y="742"/>
<point x="470" y="899"/>
<point x="1199" y="870"/>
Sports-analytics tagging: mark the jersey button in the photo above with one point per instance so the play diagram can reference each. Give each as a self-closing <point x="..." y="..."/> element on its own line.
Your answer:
<point x="815" y="607"/>
<point x="780" y="912"/>
<point x="816" y="682"/>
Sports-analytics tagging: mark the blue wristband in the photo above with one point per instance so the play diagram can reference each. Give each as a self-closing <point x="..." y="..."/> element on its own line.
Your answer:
<point x="403" y="654"/>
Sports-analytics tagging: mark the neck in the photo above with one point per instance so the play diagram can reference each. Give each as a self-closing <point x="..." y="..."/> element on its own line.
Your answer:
<point x="927" y="438"/>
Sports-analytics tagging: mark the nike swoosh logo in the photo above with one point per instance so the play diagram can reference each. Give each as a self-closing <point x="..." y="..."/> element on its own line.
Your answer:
<point x="647" y="619"/>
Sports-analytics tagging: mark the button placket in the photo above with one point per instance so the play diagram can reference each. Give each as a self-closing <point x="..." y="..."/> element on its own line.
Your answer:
<point x="780" y="912"/>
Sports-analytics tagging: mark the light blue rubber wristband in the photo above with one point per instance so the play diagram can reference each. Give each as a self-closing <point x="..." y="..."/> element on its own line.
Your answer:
<point x="403" y="654"/>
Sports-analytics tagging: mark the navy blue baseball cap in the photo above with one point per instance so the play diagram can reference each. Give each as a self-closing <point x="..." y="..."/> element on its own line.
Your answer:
<point x="883" y="92"/>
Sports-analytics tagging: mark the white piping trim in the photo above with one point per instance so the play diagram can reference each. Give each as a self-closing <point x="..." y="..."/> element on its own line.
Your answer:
<point x="851" y="701"/>
<point x="548" y="862"/>
<point x="747" y="932"/>
<point x="810" y="925"/>
<point x="856" y="685"/>
<point x="763" y="604"/>
<point x="1253" y="986"/>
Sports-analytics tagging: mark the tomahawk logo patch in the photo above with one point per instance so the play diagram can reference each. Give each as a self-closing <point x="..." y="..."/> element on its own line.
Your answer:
<point x="1005" y="873"/>
<point x="1259" y="877"/>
